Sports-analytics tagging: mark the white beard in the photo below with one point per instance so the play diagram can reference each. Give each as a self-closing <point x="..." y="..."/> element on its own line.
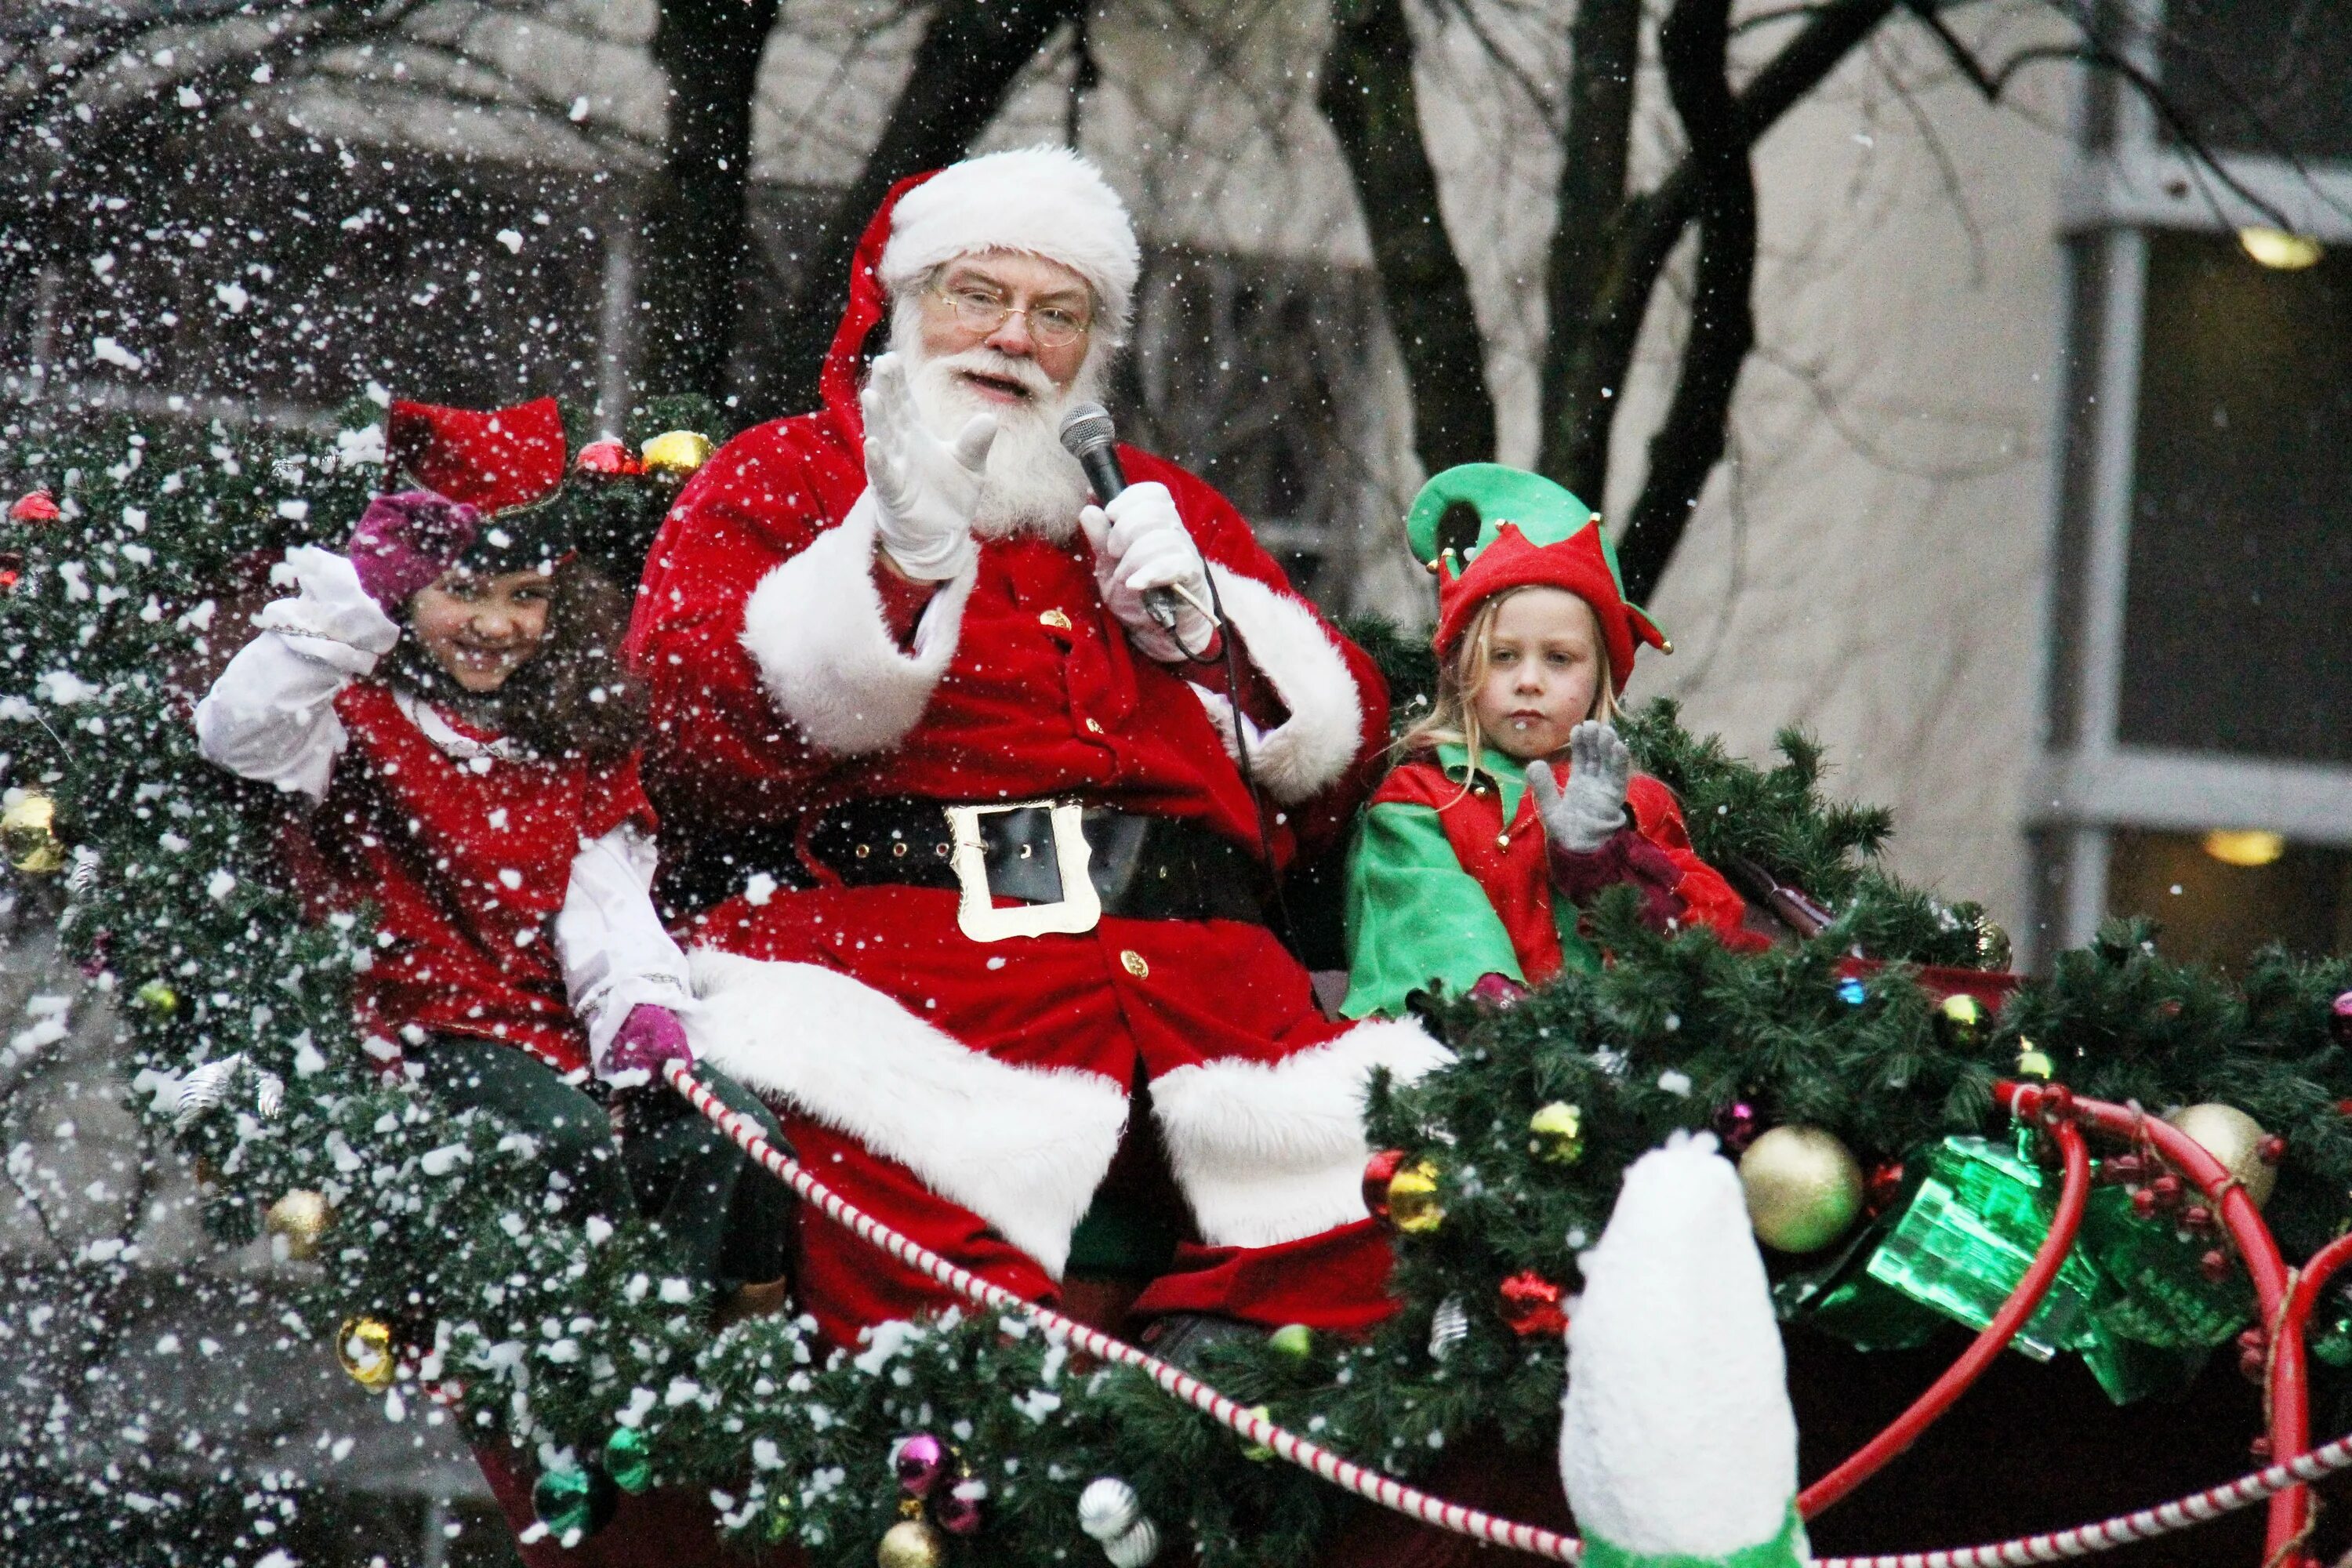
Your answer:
<point x="1034" y="486"/>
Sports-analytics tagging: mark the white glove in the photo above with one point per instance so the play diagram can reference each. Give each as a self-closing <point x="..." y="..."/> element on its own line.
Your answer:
<point x="1585" y="815"/>
<point x="926" y="490"/>
<point x="1140" y="544"/>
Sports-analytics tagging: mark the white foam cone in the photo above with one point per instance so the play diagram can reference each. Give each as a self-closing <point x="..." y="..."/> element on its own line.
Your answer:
<point x="1676" y="1436"/>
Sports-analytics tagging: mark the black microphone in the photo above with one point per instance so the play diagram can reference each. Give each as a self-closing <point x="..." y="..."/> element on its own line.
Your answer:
<point x="1088" y="436"/>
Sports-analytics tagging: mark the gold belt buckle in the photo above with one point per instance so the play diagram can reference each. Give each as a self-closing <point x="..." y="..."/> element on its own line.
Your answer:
<point x="1079" y="909"/>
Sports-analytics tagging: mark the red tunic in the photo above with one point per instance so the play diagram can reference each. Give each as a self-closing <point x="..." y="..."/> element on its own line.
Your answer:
<point x="467" y="863"/>
<point x="1515" y="868"/>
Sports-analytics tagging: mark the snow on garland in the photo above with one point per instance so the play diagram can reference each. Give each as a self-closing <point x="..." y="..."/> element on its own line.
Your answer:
<point x="573" y="1346"/>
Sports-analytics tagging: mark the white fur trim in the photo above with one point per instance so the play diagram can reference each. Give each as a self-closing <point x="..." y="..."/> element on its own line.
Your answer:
<point x="1271" y="1151"/>
<point x="1306" y="752"/>
<point x="814" y="627"/>
<point x="1676" y="1436"/>
<point x="1044" y="201"/>
<point x="1024" y="1148"/>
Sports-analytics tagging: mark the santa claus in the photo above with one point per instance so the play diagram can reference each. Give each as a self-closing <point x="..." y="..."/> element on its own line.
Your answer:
<point x="988" y="868"/>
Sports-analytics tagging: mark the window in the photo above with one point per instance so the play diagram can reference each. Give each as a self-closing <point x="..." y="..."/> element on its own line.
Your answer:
<point x="2197" y="753"/>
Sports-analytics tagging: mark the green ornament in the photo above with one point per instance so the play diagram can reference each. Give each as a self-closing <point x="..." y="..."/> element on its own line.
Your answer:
<point x="1968" y="1236"/>
<point x="157" y="996"/>
<point x="2162" y="1296"/>
<point x="1556" y="1134"/>
<point x="1292" y="1342"/>
<point x="574" y="1504"/>
<point x="781" y="1523"/>
<point x="628" y="1459"/>
<point x="2332" y="1342"/>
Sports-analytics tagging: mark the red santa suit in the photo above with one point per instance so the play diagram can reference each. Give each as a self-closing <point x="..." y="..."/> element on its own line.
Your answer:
<point x="973" y="1093"/>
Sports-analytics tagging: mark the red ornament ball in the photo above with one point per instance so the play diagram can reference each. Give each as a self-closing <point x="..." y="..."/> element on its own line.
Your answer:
<point x="608" y="459"/>
<point x="920" y="1460"/>
<point x="958" y="1513"/>
<point x="35" y="506"/>
<point x="1885" y="1186"/>
<point x="1378" y="1172"/>
<point x="1531" y="1305"/>
<point x="1737" y="1125"/>
<point x="2339" y="1020"/>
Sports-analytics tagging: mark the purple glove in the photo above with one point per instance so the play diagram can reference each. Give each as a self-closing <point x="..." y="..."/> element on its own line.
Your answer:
<point x="1497" y="991"/>
<point x="648" y="1036"/>
<point x="407" y="541"/>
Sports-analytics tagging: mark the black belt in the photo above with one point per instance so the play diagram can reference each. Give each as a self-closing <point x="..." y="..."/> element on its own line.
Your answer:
<point x="1142" y="868"/>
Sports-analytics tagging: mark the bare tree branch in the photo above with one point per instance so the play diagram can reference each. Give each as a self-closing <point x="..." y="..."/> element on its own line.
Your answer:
<point x="1368" y="97"/>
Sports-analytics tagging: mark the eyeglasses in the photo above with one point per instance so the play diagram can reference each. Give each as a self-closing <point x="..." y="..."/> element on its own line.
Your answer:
<point x="979" y="312"/>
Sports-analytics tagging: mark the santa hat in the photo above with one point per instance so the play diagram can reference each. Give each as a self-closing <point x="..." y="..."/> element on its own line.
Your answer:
<point x="495" y="459"/>
<point x="1677" y="1445"/>
<point x="1040" y="201"/>
<point x="1517" y="529"/>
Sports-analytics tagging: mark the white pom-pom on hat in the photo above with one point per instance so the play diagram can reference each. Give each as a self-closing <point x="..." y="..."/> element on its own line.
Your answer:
<point x="1041" y="201"/>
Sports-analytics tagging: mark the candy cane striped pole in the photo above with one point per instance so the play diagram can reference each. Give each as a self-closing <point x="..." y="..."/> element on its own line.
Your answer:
<point x="1384" y="1490"/>
<point x="2125" y="1528"/>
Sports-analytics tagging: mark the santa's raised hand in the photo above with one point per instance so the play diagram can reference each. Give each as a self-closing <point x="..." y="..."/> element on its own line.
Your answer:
<point x="925" y="489"/>
<point x="1141" y="544"/>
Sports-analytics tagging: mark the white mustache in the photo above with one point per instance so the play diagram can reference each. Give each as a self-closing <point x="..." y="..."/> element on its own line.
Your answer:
<point x="985" y="361"/>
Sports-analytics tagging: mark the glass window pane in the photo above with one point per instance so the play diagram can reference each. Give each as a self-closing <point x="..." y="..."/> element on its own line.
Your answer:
<point x="2217" y="913"/>
<point x="2270" y="76"/>
<point x="2237" y="632"/>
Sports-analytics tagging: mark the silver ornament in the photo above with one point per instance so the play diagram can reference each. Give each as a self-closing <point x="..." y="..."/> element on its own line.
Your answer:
<point x="205" y="1085"/>
<point x="1136" y="1547"/>
<point x="1108" y="1508"/>
<point x="268" y="1095"/>
<point x="82" y="874"/>
<point x="1447" y="1328"/>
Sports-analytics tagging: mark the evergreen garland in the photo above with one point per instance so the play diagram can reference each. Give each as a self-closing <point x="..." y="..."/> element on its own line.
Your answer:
<point x="552" y="1339"/>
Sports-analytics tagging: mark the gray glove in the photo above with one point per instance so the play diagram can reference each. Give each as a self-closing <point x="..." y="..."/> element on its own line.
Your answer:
<point x="1585" y="815"/>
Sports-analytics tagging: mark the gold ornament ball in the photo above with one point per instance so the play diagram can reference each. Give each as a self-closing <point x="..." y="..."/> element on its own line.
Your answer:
<point x="2235" y="1138"/>
<point x="676" y="454"/>
<point x="1556" y="1134"/>
<point x="157" y="996"/>
<point x="1962" y="1021"/>
<point x="28" y="835"/>
<point x="911" y="1544"/>
<point x="363" y="1346"/>
<point x="1413" y="1207"/>
<point x="1803" y="1186"/>
<point x="2033" y="1062"/>
<point x="301" y="1217"/>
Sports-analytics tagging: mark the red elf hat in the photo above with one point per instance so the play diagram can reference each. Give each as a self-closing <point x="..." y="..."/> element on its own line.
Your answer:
<point x="497" y="460"/>
<point x="1482" y="528"/>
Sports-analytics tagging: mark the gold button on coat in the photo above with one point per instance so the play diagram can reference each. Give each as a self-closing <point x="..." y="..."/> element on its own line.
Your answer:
<point x="1055" y="619"/>
<point x="1133" y="963"/>
<point x="1094" y="727"/>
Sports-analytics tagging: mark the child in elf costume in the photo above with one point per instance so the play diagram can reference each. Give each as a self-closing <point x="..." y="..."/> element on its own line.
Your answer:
<point x="446" y="693"/>
<point x="1476" y="852"/>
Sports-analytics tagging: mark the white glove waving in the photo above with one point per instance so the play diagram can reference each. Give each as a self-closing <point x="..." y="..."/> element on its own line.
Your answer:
<point x="1140" y="544"/>
<point x="925" y="488"/>
<point x="1582" y="817"/>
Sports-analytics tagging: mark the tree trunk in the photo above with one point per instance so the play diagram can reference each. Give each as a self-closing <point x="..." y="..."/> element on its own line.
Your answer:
<point x="697" y="214"/>
<point x="1368" y="97"/>
<point x="970" y="56"/>
<point x="1605" y="44"/>
<point x="1691" y="440"/>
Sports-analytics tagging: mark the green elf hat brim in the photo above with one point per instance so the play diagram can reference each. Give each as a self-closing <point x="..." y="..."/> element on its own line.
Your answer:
<point x="1530" y="533"/>
<point x="1787" y="1550"/>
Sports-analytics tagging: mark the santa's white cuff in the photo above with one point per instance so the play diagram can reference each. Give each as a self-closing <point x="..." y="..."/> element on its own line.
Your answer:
<point x="1306" y="752"/>
<point x="815" y="628"/>
<point x="1273" y="1151"/>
